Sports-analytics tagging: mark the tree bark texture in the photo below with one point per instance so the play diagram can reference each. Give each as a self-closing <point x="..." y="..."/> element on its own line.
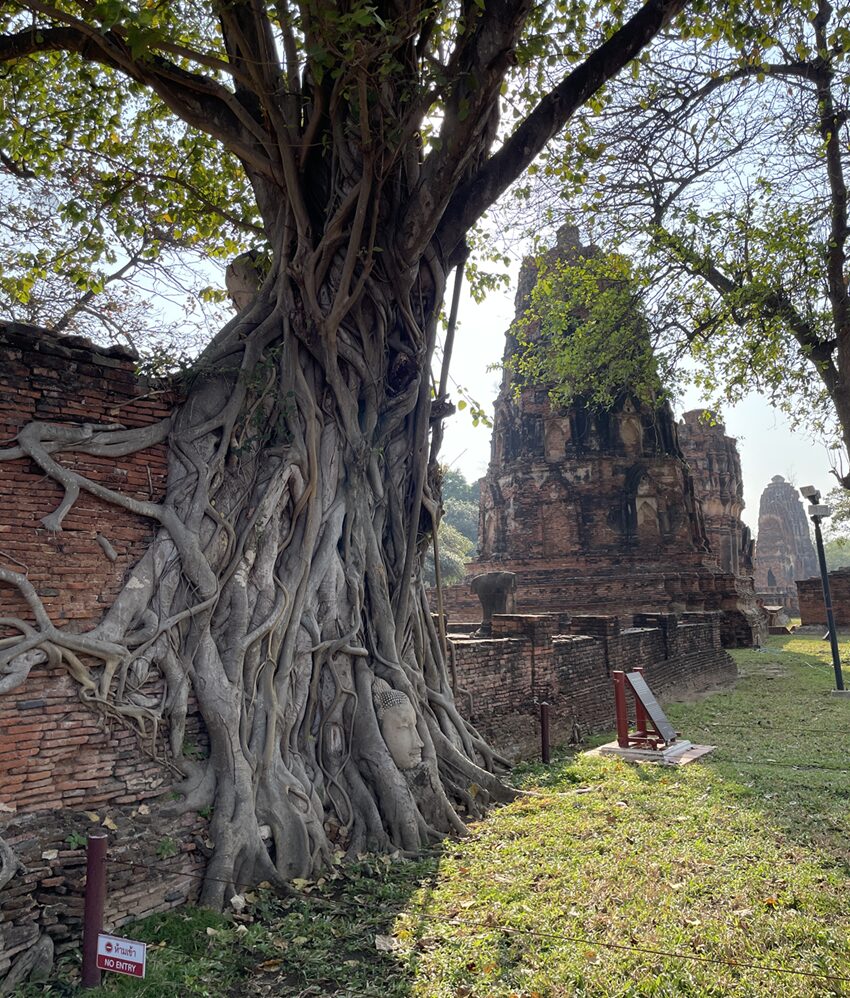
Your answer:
<point x="283" y="579"/>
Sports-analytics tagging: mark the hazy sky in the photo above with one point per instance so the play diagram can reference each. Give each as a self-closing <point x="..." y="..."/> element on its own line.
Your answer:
<point x="766" y="444"/>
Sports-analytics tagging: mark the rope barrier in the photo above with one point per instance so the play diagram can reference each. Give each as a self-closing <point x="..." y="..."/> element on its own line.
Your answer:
<point x="807" y="767"/>
<point x="481" y="928"/>
<point x="672" y="954"/>
<point x="176" y="873"/>
<point x="770" y="727"/>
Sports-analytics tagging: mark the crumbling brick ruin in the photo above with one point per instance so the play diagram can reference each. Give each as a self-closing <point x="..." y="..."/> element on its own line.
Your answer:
<point x="715" y="467"/>
<point x="810" y="595"/>
<point x="64" y="768"/>
<point x="784" y="549"/>
<point x="595" y="510"/>
<point x="571" y="669"/>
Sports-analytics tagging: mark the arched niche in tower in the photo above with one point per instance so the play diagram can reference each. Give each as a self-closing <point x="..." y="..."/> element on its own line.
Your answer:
<point x="631" y="429"/>
<point x="643" y="525"/>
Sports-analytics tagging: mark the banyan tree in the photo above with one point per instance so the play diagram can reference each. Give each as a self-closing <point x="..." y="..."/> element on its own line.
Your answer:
<point x="356" y="144"/>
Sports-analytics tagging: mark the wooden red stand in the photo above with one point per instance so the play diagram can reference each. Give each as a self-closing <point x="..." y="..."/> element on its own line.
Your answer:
<point x="652" y="728"/>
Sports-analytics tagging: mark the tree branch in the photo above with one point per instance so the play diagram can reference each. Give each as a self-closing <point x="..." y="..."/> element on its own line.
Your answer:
<point x="201" y="102"/>
<point x="776" y="304"/>
<point x="472" y="199"/>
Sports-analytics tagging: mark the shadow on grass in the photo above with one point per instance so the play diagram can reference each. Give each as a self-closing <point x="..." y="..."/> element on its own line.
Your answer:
<point x="319" y="943"/>
<point x="779" y="774"/>
<point x="781" y="743"/>
<point x="339" y="939"/>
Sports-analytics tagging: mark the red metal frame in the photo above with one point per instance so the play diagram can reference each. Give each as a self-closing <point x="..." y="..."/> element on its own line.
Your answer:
<point x="646" y="735"/>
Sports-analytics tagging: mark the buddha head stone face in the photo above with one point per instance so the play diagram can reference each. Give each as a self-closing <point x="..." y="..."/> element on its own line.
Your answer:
<point x="397" y="720"/>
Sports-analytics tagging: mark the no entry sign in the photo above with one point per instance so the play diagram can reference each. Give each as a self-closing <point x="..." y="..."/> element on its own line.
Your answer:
<point x="121" y="956"/>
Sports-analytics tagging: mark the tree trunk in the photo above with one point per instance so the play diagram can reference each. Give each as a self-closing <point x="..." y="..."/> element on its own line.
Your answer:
<point x="283" y="589"/>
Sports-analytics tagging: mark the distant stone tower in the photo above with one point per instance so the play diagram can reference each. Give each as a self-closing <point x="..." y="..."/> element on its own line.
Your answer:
<point x="784" y="549"/>
<point x="715" y="466"/>
<point x="594" y="509"/>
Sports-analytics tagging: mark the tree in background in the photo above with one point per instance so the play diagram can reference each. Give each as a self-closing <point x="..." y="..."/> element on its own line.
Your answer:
<point x="458" y="531"/>
<point x="456" y="550"/>
<point x="460" y="503"/>
<point x="720" y="167"/>
<point x="356" y="143"/>
<point x="836" y="541"/>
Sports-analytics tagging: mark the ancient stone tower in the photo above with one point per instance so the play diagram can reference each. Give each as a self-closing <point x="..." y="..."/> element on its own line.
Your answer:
<point x="594" y="509"/>
<point x="715" y="467"/>
<point x="784" y="549"/>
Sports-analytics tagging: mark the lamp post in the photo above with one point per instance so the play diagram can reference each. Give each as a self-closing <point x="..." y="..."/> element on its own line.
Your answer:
<point x="817" y="512"/>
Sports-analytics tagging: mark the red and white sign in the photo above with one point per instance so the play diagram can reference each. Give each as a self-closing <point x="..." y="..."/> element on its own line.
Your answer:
<point x="121" y="956"/>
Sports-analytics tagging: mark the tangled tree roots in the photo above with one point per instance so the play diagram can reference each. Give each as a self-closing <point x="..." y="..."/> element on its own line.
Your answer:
<point x="282" y="580"/>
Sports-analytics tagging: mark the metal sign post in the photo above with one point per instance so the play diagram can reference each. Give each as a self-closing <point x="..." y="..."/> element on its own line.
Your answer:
<point x="544" y="732"/>
<point x="94" y="905"/>
<point x="827" y="596"/>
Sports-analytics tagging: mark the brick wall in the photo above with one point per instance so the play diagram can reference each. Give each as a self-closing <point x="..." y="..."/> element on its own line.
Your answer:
<point x="61" y="767"/>
<point x="810" y="595"/>
<point x="558" y="588"/>
<point x="62" y="770"/>
<point x="500" y="679"/>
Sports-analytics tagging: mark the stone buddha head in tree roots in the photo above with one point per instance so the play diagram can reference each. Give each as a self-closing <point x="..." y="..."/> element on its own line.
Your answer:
<point x="397" y="720"/>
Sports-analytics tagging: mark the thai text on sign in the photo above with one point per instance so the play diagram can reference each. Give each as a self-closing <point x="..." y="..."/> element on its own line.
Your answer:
<point x="121" y="956"/>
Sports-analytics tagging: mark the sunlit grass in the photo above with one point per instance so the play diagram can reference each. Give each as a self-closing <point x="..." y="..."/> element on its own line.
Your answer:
<point x="743" y="858"/>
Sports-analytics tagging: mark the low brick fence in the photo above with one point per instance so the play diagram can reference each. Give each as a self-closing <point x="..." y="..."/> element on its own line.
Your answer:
<point x="810" y="594"/>
<point x="501" y="678"/>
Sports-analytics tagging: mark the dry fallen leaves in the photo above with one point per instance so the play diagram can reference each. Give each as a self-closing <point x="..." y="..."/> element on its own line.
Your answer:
<point x="269" y="965"/>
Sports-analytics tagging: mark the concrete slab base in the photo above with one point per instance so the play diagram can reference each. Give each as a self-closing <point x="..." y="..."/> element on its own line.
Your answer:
<point x="840" y="693"/>
<point x="680" y="753"/>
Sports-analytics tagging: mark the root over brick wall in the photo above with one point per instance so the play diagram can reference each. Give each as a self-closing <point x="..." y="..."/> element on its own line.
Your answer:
<point x="63" y="768"/>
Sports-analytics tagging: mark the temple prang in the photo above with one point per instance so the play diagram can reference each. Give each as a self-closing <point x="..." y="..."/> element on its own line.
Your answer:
<point x="784" y="550"/>
<point x="715" y="467"/>
<point x="600" y="511"/>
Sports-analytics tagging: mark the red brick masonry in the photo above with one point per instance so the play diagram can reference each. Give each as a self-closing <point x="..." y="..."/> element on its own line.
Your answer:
<point x="810" y="594"/>
<point x="499" y="679"/>
<point x="61" y="769"/>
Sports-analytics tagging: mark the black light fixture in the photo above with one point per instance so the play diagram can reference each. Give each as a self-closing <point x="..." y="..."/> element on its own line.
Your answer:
<point x="818" y="512"/>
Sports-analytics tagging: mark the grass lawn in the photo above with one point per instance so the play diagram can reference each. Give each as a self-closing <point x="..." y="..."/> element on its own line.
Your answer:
<point x="742" y="858"/>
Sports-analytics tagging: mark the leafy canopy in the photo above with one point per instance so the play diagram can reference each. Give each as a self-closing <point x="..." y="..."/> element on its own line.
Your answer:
<point x="584" y="332"/>
<point x="138" y="135"/>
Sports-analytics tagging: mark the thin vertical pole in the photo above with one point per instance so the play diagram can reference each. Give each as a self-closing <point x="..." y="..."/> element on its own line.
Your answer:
<point x="544" y="732"/>
<point x="94" y="905"/>
<point x="622" y="711"/>
<point x="827" y="600"/>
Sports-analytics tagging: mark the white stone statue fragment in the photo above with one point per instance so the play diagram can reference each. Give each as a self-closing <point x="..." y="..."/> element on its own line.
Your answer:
<point x="397" y="721"/>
